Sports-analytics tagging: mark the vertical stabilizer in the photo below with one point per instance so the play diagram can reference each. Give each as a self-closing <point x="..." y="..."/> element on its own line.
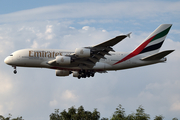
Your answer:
<point x="154" y="41"/>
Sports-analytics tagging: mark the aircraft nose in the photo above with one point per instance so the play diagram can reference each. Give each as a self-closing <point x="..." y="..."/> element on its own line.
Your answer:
<point x="7" y="60"/>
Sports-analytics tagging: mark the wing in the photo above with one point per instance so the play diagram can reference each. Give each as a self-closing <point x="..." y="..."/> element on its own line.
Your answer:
<point x="97" y="52"/>
<point x="113" y="41"/>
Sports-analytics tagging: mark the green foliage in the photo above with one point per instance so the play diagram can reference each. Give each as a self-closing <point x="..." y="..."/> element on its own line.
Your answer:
<point x="119" y="114"/>
<point x="140" y="115"/>
<point x="160" y="117"/>
<point x="104" y="118"/>
<point x="8" y="118"/>
<point x="75" y="114"/>
<point x="55" y="115"/>
<point x="174" y="119"/>
<point x="18" y="118"/>
<point x="81" y="114"/>
<point x="131" y="117"/>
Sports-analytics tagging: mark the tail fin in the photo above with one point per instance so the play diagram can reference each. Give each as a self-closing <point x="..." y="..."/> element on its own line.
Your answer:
<point x="154" y="41"/>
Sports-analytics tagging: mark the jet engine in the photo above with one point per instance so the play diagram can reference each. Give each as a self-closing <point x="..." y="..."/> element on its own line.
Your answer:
<point x="75" y="73"/>
<point x="82" y="52"/>
<point x="63" y="60"/>
<point x="62" y="73"/>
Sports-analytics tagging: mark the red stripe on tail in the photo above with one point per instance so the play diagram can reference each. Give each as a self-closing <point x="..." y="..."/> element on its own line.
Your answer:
<point x="136" y="51"/>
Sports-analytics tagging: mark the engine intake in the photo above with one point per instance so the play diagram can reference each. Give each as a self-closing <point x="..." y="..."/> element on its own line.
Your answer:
<point x="63" y="60"/>
<point x="82" y="52"/>
<point x="75" y="73"/>
<point x="62" y="73"/>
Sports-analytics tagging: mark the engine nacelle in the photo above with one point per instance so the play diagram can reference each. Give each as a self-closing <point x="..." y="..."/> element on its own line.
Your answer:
<point x="63" y="60"/>
<point x="82" y="52"/>
<point x="75" y="73"/>
<point x="62" y="73"/>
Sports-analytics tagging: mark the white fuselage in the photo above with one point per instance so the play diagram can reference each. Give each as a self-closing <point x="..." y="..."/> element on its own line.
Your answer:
<point x="40" y="57"/>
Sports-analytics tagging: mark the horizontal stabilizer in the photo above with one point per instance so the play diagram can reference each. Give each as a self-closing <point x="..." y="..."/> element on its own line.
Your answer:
<point x="157" y="56"/>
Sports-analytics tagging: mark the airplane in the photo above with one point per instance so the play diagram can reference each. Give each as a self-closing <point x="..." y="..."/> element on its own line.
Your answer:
<point x="86" y="61"/>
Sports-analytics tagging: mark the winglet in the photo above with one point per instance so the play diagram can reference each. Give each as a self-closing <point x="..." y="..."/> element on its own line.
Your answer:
<point x="128" y="35"/>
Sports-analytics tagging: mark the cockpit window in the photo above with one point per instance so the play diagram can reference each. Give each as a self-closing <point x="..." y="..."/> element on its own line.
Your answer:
<point x="11" y="55"/>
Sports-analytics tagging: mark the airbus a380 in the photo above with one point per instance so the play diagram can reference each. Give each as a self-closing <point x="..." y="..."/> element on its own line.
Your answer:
<point x="86" y="61"/>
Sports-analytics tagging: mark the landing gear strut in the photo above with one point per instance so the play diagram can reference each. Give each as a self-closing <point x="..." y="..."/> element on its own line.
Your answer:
<point x="15" y="71"/>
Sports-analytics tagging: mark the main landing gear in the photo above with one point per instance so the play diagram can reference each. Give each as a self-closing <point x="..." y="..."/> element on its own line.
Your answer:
<point x="15" y="71"/>
<point x="84" y="74"/>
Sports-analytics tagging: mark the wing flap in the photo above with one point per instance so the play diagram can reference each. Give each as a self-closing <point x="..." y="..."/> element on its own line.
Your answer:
<point x="94" y="60"/>
<point x="157" y="56"/>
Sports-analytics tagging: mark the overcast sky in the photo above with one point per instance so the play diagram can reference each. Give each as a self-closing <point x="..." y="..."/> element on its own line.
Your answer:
<point x="34" y="93"/>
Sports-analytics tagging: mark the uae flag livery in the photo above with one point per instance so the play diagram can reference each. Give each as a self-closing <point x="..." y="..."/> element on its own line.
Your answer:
<point x="152" y="43"/>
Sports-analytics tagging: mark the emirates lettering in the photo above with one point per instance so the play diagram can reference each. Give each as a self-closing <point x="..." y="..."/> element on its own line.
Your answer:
<point x="48" y="54"/>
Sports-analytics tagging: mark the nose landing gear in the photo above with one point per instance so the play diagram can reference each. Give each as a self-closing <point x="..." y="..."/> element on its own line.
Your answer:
<point x="15" y="71"/>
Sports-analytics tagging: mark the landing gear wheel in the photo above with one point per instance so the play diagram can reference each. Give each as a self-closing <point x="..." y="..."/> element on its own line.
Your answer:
<point x="85" y="73"/>
<point x="15" y="71"/>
